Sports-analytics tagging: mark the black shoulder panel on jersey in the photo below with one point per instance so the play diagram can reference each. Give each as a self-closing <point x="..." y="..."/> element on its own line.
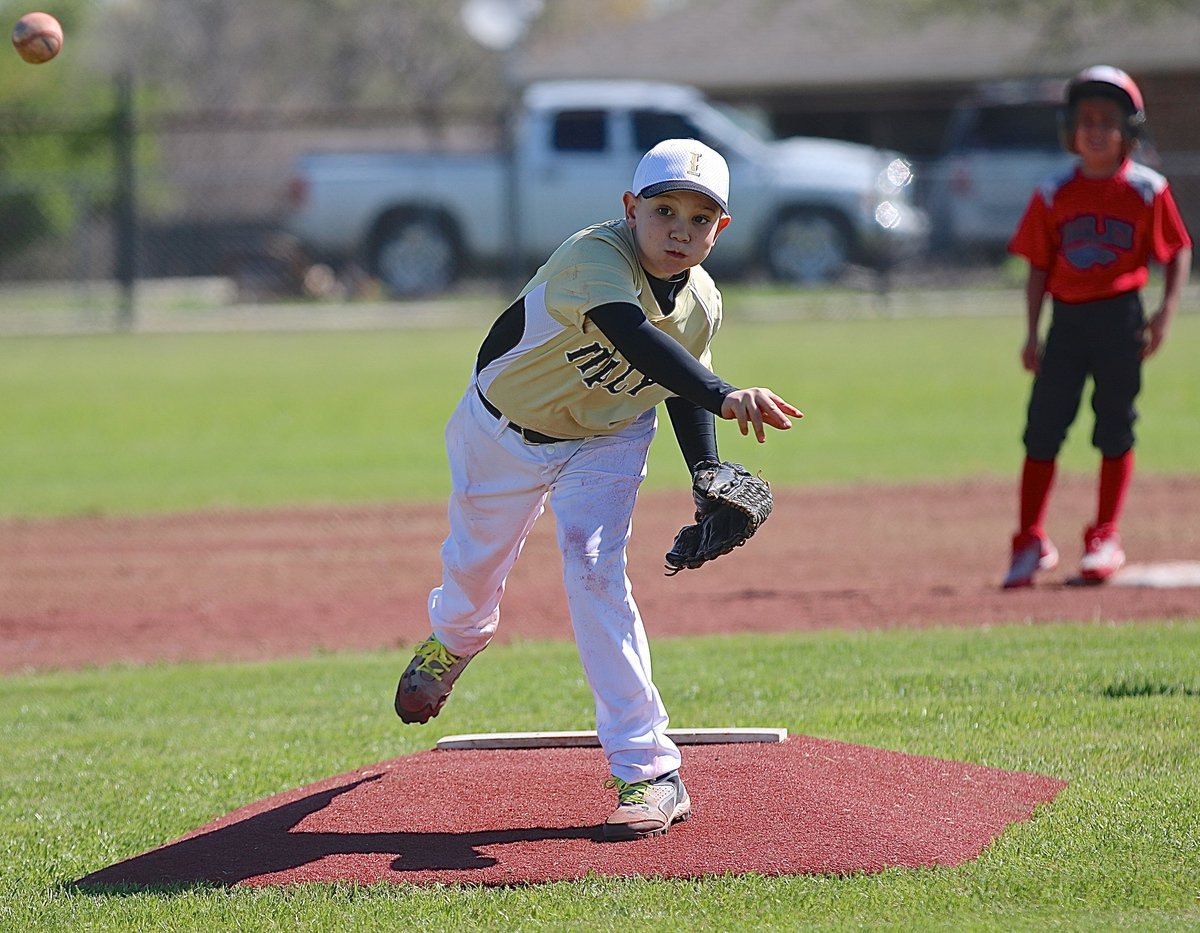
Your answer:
<point x="505" y="334"/>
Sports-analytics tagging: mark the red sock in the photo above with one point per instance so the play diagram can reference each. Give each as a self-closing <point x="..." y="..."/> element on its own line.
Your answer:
<point x="1036" y="478"/>
<point x="1115" y="474"/>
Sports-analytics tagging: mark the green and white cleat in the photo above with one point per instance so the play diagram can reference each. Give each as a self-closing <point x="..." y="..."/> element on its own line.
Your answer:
<point x="647" y="808"/>
<point x="427" y="681"/>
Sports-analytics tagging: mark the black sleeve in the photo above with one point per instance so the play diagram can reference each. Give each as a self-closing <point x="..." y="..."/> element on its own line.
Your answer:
<point x="656" y="355"/>
<point x="695" y="430"/>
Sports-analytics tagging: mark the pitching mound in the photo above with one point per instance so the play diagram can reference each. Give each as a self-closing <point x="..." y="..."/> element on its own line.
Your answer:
<point x="803" y="806"/>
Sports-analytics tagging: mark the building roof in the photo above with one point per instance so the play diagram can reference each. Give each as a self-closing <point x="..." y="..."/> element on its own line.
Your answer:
<point x="755" y="45"/>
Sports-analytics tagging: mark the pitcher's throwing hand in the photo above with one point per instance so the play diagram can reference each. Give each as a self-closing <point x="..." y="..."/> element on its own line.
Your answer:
<point x="758" y="407"/>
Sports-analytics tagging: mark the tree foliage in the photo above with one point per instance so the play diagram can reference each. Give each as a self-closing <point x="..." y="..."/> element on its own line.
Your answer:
<point x="212" y="56"/>
<point x="1061" y="24"/>
<point x="300" y="54"/>
<point x="1055" y="10"/>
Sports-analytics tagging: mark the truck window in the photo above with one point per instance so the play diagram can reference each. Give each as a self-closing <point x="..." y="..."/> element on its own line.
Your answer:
<point x="1032" y="126"/>
<point x="651" y="127"/>
<point x="581" y="131"/>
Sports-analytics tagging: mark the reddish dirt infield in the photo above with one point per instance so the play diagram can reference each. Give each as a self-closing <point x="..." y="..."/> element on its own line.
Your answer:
<point x="248" y="585"/>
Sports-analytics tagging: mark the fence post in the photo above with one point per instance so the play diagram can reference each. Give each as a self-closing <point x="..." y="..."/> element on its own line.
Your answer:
<point x="126" y="206"/>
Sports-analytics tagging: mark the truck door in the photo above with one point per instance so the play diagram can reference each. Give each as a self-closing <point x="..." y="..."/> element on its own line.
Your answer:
<point x="578" y="178"/>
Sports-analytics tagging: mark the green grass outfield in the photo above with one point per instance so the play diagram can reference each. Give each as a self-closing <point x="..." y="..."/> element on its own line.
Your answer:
<point x="158" y="422"/>
<point x="102" y="765"/>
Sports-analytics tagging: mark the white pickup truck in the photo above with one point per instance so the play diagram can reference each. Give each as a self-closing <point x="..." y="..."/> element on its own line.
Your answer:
<point x="802" y="208"/>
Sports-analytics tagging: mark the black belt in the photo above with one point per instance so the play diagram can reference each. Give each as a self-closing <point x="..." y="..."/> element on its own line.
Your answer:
<point x="531" y="436"/>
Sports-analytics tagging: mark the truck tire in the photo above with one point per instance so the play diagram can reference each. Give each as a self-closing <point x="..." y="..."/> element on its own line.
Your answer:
<point x="415" y="254"/>
<point x="806" y="246"/>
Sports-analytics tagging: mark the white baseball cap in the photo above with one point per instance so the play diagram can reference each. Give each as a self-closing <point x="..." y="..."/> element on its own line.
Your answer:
<point x="683" y="164"/>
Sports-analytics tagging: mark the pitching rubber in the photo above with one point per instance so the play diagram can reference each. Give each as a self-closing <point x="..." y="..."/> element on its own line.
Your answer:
<point x="586" y="739"/>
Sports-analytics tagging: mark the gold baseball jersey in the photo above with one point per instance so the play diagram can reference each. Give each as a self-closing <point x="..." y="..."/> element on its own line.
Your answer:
<point x="546" y="366"/>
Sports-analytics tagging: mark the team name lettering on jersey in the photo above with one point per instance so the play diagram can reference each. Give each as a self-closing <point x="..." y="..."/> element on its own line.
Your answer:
<point x="596" y="364"/>
<point x="1089" y="240"/>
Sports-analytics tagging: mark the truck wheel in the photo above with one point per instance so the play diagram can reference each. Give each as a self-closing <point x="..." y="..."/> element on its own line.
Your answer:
<point x="807" y="246"/>
<point x="415" y="255"/>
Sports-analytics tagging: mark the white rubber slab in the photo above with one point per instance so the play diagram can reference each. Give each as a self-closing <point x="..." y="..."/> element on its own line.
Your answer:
<point x="1166" y="575"/>
<point x="589" y="739"/>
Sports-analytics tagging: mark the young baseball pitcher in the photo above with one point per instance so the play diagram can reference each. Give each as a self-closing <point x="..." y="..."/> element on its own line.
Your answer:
<point x="1089" y="236"/>
<point x="560" y="409"/>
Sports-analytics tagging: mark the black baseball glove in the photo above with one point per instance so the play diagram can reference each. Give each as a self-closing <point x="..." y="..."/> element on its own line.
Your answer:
<point x="731" y="505"/>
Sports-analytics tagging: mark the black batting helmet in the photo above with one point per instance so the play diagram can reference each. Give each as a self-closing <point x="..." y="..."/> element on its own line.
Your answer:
<point x="1111" y="84"/>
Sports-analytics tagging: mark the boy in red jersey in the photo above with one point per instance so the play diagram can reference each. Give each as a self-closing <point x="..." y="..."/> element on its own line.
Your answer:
<point x="1088" y="236"/>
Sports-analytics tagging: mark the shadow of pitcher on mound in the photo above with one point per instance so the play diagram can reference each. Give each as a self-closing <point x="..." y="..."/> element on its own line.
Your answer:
<point x="267" y="844"/>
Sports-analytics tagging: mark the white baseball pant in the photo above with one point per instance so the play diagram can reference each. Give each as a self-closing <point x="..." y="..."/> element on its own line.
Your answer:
<point x="500" y="486"/>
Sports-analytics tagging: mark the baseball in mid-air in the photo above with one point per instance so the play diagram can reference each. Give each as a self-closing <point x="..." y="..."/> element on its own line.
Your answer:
<point x="37" y="37"/>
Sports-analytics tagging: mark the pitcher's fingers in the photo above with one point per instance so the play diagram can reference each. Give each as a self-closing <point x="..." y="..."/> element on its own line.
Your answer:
<point x="777" y="419"/>
<point x="760" y="432"/>
<point x="776" y="411"/>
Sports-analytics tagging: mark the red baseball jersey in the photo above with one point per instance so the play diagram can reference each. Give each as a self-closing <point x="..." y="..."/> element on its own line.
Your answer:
<point x="1096" y="236"/>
